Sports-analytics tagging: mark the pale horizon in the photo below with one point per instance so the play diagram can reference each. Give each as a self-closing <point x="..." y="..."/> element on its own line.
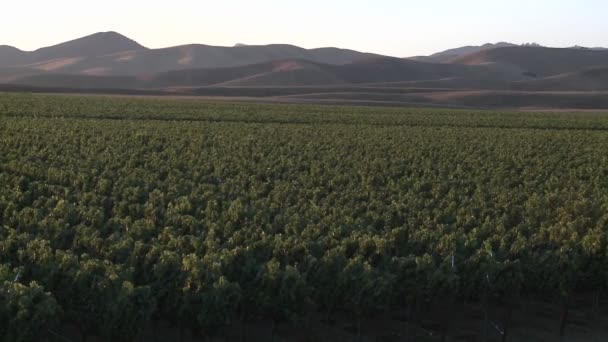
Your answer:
<point x="387" y="27"/>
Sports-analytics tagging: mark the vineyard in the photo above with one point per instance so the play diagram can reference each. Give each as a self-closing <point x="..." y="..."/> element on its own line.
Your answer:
<point x="117" y="214"/>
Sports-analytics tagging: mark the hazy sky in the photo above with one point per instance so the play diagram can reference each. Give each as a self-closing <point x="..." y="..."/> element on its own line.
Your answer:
<point x="393" y="27"/>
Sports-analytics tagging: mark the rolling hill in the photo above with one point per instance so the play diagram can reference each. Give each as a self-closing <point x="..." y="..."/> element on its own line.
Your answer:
<point x="591" y="79"/>
<point x="491" y="75"/>
<point x="289" y="73"/>
<point x="537" y="61"/>
<point x="448" y="55"/>
<point x="10" y="56"/>
<point x="109" y="53"/>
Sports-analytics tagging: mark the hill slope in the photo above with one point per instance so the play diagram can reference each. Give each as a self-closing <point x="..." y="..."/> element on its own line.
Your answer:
<point x="448" y="55"/>
<point x="288" y="72"/>
<point x="537" y="61"/>
<point x="109" y="53"/>
<point x="592" y="79"/>
<point x="98" y="44"/>
<point x="10" y="56"/>
<point x="110" y="62"/>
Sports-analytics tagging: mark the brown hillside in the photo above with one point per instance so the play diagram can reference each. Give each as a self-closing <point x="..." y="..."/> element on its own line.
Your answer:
<point x="537" y="61"/>
<point x="290" y="72"/>
<point x="448" y="55"/>
<point x="110" y="61"/>
<point x="109" y="53"/>
<point x="10" y="56"/>
<point x="50" y="81"/>
<point x="9" y="75"/>
<point x="278" y="73"/>
<point x="593" y="79"/>
<point x="98" y="44"/>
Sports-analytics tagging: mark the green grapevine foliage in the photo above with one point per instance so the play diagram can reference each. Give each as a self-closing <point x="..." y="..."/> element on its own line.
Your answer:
<point x="118" y="211"/>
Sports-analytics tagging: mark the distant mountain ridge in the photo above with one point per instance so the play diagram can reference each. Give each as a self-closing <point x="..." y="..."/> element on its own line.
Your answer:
<point x="537" y="61"/>
<point x="110" y="61"/>
<point x="98" y="44"/>
<point x="451" y="54"/>
<point x="447" y="55"/>
<point x="588" y="48"/>
<point x="112" y="54"/>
